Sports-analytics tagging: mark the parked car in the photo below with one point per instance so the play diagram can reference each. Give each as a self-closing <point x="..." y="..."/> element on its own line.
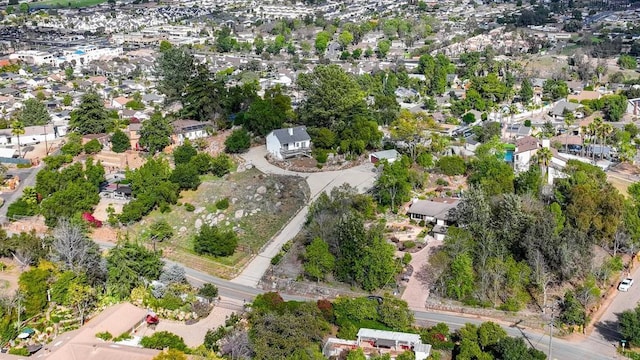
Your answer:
<point x="625" y="284"/>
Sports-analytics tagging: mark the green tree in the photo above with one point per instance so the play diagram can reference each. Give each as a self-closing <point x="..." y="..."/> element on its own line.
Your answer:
<point x="34" y="112"/>
<point x="451" y="165"/>
<point x="17" y="129"/>
<point x="238" y="141"/>
<point x="265" y="115"/>
<point x="395" y="313"/>
<point x="155" y="133"/>
<point x="171" y="354"/>
<point x="318" y="259"/>
<point x="203" y="96"/>
<point x="555" y="89"/>
<point x="460" y="283"/>
<point x="213" y="241"/>
<point x="82" y="298"/>
<point x="184" y="153"/>
<point x="393" y="186"/>
<point x="322" y="42"/>
<point x="33" y="285"/>
<point x="627" y="62"/>
<point x="344" y="39"/>
<point x="221" y="165"/>
<point x="160" y="230"/>
<point x="120" y="141"/>
<point x="383" y="48"/>
<point x="174" y="69"/>
<point x="186" y="176"/>
<point x="130" y="265"/>
<point x="92" y="146"/>
<point x="630" y="325"/>
<point x="90" y="117"/>
<point x="526" y="91"/>
<point x="24" y="8"/>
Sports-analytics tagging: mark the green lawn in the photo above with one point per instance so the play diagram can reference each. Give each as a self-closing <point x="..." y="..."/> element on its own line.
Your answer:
<point x="69" y="3"/>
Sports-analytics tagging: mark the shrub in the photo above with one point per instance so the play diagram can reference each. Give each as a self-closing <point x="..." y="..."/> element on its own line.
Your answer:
<point x="409" y="244"/>
<point x="238" y="141"/>
<point x="221" y="165"/>
<point x="21" y="208"/>
<point x="527" y="123"/>
<point x="276" y="259"/>
<point x="321" y="156"/>
<point x="124" y="336"/>
<point x="213" y="241"/>
<point x="160" y="230"/>
<point x="184" y="153"/>
<point x="19" y="351"/>
<point x="105" y="335"/>
<point x="208" y="291"/>
<point x="452" y="165"/>
<point x="406" y="258"/>
<point x="189" y="207"/>
<point x="92" y="147"/>
<point x="23" y="166"/>
<point x="442" y="182"/>
<point x="163" y="339"/>
<point x="222" y="204"/>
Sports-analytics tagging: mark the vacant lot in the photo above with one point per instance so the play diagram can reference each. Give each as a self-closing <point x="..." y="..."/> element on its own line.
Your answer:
<point x="259" y="206"/>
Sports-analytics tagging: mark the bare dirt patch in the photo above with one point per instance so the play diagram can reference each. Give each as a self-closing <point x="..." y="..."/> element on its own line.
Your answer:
<point x="259" y="206"/>
<point x="9" y="274"/>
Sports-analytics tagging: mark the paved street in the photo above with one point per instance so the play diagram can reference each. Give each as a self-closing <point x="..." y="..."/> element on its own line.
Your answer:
<point x="27" y="178"/>
<point x="361" y="177"/>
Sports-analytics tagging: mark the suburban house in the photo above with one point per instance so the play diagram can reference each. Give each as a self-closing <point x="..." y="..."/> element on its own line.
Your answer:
<point x="189" y="129"/>
<point x="389" y="155"/>
<point x="517" y="131"/>
<point x="378" y="342"/>
<point x="32" y="135"/>
<point x="562" y="107"/>
<point x="436" y="212"/>
<point x="526" y="150"/>
<point x="286" y="143"/>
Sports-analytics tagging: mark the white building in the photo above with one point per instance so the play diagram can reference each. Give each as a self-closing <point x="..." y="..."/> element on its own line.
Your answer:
<point x="285" y="143"/>
<point x="32" y="135"/>
<point x="189" y="129"/>
<point x="527" y="148"/>
<point x="379" y="341"/>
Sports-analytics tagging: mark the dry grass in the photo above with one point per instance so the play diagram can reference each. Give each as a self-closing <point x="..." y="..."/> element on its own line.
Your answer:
<point x="263" y="216"/>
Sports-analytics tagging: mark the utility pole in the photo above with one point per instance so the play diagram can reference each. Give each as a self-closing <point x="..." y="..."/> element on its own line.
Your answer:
<point x="550" y="336"/>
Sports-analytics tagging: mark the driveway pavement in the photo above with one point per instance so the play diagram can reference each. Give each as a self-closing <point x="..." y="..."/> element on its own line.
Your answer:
<point x="27" y="178"/>
<point x="362" y="177"/>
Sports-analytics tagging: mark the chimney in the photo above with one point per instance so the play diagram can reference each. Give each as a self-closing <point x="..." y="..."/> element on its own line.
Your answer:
<point x="290" y="131"/>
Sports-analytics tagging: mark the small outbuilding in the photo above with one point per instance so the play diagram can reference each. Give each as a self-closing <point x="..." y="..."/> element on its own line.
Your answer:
<point x="389" y="155"/>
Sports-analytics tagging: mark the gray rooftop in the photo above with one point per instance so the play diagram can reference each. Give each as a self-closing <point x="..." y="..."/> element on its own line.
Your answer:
<point x="562" y="105"/>
<point x="433" y="209"/>
<point x="291" y="135"/>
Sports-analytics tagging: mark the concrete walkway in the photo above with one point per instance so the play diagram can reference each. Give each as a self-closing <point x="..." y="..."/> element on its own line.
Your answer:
<point x="416" y="294"/>
<point x="362" y="177"/>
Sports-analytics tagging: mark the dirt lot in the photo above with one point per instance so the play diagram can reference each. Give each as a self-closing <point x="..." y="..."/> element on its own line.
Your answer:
<point x="8" y="276"/>
<point x="259" y="206"/>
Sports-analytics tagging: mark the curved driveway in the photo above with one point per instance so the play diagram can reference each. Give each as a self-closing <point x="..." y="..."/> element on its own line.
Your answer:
<point x="361" y="177"/>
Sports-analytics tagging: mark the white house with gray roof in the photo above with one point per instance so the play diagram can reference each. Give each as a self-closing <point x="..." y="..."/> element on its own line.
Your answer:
<point x="290" y="142"/>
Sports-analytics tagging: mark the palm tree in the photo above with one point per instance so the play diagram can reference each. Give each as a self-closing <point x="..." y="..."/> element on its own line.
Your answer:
<point x="605" y="131"/>
<point x="544" y="156"/>
<point x="569" y="118"/>
<point x="593" y="129"/>
<point x="17" y="129"/>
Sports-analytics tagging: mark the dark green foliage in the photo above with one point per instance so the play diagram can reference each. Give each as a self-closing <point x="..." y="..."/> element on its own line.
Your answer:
<point x="202" y="162"/>
<point x="152" y="187"/>
<point x="186" y="176"/>
<point x="213" y="241"/>
<point x="130" y="265"/>
<point x="155" y="133"/>
<point x="73" y="146"/>
<point x="120" y="141"/>
<point x="90" y="117"/>
<point x="487" y="131"/>
<point x="573" y="312"/>
<point x="174" y="67"/>
<point x="160" y="231"/>
<point x="208" y="291"/>
<point x="222" y="204"/>
<point x="92" y="146"/>
<point x="270" y="113"/>
<point x="238" y="141"/>
<point x="529" y="182"/>
<point x="203" y="96"/>
<point x="451" y="165"/>
<point x="279" y="331"/>
<point x="163" y="339"/>
<point x="21" y="208"/>
<point x="438" y="337"/>
<point x="555" y="89"/>
<point x="318" y="260"/>
<point x="184" y="153"/>
<point x="34" y="112"/>
<point x="492" y="174"/>
<point x="221" y="165"/>
<point x="630" y="325"/>
<point x="189" y="207"/>
<point x="33" y="285"/>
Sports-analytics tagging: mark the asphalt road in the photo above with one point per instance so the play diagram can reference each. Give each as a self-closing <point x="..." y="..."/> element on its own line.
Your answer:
<point x="27" y="178"/>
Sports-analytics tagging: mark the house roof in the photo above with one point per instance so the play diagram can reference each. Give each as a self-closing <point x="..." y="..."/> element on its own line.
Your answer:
<point x="527" y="143"/>
<point x="560" y="106"/>
<point x="181" y="126"/>
<point x="386" y="154"/>
<point x="435" y="209"/>
<point x="518" y="129"/>
<point x="291" y="135"/>
<point x="389" y="335"/>
<point x="83" y="344"/>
